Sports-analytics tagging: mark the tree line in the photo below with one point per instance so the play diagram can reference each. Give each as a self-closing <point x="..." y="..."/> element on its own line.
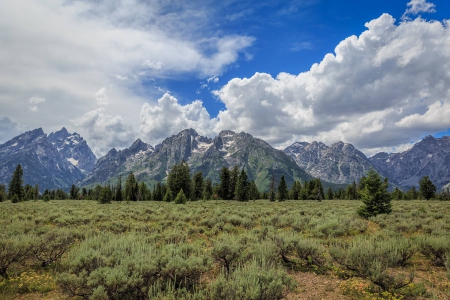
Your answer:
<point x="233" y="184"/>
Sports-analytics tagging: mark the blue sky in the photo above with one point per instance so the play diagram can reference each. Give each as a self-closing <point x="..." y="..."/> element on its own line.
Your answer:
<point x="283" y="71"/>
<point x="290" y="36"/>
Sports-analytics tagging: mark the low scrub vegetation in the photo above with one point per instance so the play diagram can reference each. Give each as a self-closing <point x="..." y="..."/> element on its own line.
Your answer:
<point x="80" y="249"/>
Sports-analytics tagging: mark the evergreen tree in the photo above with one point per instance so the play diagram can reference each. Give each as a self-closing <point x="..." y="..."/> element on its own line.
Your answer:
<point x="374" y="195"/>
<point x="118" y="193"/>
<point x="254" y="193"/>
<point x="3" y="194"/>
<point x="179" y="178"/>
<point x="36" y="191"/>
<point x="73" y="192"/>
<point x="143" y="192"/>
<point x="131" y="188"/>
<point x="15" y="187"/>
<point x="29" y="194"/>
<point x="234" y="179"/>
<point x="225" y="184"/>
<point x="316" y="190"/>
<point x="350" y="192"/>
<point x="329" y="195"/>
<point x="242" y="187"/>
<point x="180" y="198"/>
<point x="272" y="194"/>
<point x="413" y="193"/>
<point x="427" y="188"/>
<point x="158" y="194"/>
<point x="105" y="195"/>
<point x="283" y="193"/>
<point x="208" y="189"/>
<point x="295" y="190"/>
<point x="216" y="191"/>
<point x="397" y="194"/>
<point x="303" y="195"/>
<point x="168" y="196"/>
<point x="198" y="185"/>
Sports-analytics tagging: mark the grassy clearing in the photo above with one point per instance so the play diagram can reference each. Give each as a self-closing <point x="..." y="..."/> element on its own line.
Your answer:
<point x="223" y="250"/>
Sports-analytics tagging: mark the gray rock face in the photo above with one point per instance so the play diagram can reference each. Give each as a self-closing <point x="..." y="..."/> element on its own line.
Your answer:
<point x="429" y="157"/>
<point x="74" y="149"/>
<point x="120" y="162"/>
<point x="340" y="163"/>
<point x="204" y="154"/>
<point x="42" y="163"/>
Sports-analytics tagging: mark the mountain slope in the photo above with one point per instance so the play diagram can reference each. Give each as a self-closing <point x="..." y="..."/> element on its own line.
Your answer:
<point x="41" y="162"/>
<point x="429" y="157"/>
<point x="340" y="163"/>
<point x="73" y="148"/>
<point x="204" y="154"/>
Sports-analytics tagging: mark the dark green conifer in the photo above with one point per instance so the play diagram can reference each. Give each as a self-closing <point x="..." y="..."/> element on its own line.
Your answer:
<point x="427" y="188"/>
<point x="374" y="195"/>
<point x="283" y="193"/>
<point x="180" y="198"/>
<point x="118" y="194"/>
<point x="15" y="187"/>
<point x="242" y="187"/>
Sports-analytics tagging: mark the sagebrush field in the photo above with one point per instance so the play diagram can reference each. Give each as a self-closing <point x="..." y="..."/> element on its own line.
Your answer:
<point x="223" y="250"/>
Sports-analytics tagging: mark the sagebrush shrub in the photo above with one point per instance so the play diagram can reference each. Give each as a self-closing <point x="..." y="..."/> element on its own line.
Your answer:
<point x="252" y="282"/>
<point x="435" y="248"/>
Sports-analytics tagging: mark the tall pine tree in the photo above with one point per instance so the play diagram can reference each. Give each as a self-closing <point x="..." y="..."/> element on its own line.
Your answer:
<point x="131" y="188"/>
<point x="242" y="187"/>
<point x="225" y="184"/>
<point x="179" y="178"/>
<point x="118" y="196"/>
<point x="15" y="188"/>
<point x="283" y="192"/>
<point x="198" y="185"/>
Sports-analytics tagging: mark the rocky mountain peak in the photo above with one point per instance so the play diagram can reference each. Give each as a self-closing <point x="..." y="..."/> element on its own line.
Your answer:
<point x="41" y="160"/>
<point x="61" y="134"/>
<point x="340" y="163"/>
<point x="138" y="146"/>
<point x="74" y="149"/>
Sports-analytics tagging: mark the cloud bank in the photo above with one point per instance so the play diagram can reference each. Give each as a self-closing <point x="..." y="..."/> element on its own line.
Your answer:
<point x="379" y="90"/>
<point x="70" y="52"/>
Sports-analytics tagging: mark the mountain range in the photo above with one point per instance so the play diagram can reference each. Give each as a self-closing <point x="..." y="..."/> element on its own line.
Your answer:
<point x="62" y="159"/>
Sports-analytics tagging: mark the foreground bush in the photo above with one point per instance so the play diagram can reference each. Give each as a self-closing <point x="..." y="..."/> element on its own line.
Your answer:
<point x="51" y="246"/>
<point x="371" y="258"/>
<point x="125" y="267"/>
<point x="226" y="251"/>
<point x="14" y="249"/>
<point x="435" y="248"/>
<point x="252" y="282"/>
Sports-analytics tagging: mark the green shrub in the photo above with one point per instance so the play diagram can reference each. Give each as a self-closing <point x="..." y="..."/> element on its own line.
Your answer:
<point x="124" y="267"/>
<point x="370" y="258"/>
<point x="15" y="198"/>
<point x="447" y="264"/>
<point x="180" y="198"/>
<point x="14" y="249"/>
<point x="226" y="251"/>
<point x="285" y="243"/>
<point x="51" y="246"/>
<point x="435" y="248"/>
<point x="311" y="252"/>
<point x="252" y="282"/>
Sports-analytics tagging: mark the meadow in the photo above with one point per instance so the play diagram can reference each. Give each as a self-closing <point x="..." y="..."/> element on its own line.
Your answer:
<point x="78" y="249"/>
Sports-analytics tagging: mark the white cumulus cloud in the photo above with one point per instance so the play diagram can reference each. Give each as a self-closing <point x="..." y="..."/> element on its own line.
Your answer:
<point x="379" y="90"/>
<point x="169" y="117"/>
<point x="79" y="46"/>
<point x="417" y="6"/>
<point x="103" y="131"/>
